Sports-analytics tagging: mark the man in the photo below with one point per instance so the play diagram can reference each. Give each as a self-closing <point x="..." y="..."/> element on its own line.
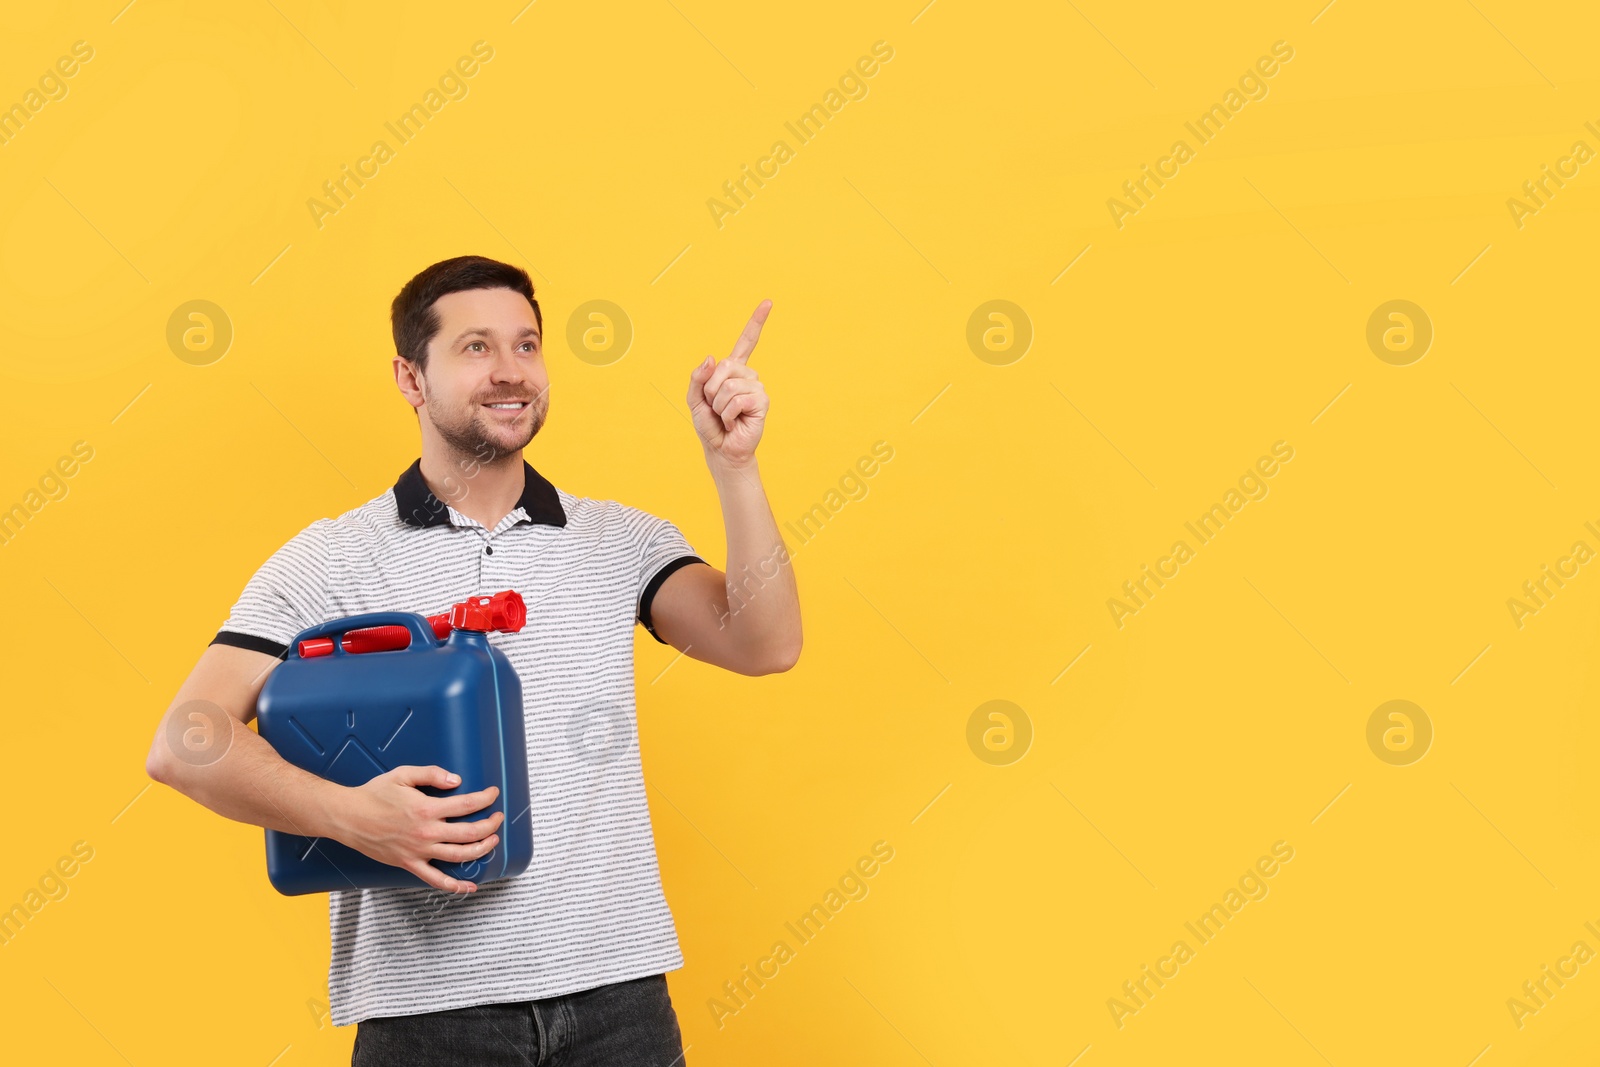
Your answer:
<point x="565" y="963"/>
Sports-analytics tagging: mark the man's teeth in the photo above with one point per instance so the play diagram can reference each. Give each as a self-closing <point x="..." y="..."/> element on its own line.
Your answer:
<point x="508" y="406"/>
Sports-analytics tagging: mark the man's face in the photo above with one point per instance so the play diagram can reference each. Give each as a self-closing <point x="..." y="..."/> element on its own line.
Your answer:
<point x="485" y="388"/>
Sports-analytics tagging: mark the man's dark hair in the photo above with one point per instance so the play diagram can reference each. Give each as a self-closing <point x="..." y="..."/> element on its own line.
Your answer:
<point x="413" y="318"/>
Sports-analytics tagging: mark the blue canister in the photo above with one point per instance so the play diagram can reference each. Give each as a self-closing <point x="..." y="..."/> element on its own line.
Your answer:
<point x="349" y="716"/>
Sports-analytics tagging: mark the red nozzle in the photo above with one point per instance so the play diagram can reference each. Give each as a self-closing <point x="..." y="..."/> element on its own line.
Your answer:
<point x="504" y="612"/>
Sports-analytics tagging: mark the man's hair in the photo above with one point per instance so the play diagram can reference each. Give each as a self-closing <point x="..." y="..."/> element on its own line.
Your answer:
<point x="413" y="317"/>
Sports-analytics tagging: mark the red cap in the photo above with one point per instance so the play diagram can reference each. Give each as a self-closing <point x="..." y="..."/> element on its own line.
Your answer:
<point x="504" y="612"/>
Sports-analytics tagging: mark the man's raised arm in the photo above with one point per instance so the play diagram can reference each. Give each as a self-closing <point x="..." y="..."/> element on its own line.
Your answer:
<point x="746" y="619"/>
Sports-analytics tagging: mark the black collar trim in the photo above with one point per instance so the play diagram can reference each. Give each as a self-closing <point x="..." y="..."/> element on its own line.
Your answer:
<point x="417" y="506"/>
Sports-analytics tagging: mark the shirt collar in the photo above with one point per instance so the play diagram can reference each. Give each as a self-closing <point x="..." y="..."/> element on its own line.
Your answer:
<point x="417" y="506"/>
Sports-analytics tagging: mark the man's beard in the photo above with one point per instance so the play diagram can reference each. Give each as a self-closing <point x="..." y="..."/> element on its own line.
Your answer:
<point x="474" y="435"/>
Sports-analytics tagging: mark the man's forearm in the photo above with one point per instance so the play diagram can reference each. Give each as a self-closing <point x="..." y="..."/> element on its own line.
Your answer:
<point x="763" y="609"/>
<point x="251" y="783"/>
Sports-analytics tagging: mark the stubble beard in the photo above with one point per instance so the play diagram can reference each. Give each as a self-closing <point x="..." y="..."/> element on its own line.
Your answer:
<point x="472" y="434"/>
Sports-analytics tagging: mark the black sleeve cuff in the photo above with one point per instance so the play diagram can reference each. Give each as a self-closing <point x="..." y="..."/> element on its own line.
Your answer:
<point x="655" y="584"/>
<point x="252" y="642"/>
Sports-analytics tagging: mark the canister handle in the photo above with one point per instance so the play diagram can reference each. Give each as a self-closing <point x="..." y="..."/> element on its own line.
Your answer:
<point x="421" y="633"/>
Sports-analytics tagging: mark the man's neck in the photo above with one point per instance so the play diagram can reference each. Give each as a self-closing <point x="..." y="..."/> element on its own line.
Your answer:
<point x="484" y="492"/>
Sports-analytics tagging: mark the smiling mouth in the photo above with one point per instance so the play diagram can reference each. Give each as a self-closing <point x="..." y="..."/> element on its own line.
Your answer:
<point x="508" y="405"/>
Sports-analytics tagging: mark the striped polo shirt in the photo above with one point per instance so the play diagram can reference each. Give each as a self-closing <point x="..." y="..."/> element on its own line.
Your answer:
<point x="589" y="910"/>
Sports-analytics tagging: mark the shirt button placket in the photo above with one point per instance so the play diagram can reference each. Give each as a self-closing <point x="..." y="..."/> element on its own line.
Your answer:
<point x="500" y="566"/>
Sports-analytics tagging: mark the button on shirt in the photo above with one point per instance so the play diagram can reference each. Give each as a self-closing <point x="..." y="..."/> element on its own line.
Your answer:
<point x="589" y="910"/>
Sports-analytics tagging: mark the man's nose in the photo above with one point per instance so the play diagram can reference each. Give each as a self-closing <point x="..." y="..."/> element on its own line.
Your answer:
<point x="506" y="369"/>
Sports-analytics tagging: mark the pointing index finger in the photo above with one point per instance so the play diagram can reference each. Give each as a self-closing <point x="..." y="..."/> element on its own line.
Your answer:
<point x="752" y="333"/>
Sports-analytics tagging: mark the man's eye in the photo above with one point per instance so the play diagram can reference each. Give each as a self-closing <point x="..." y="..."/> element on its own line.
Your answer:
<point x="474" y="343"/>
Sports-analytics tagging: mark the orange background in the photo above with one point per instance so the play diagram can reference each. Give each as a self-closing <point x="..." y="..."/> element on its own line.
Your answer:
<point x="1141" y="771"/>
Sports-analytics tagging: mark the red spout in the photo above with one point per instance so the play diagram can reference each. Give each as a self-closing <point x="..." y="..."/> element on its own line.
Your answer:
<point x="504" y="613"/>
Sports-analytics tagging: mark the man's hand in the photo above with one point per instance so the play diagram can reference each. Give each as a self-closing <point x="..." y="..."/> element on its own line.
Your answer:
<point x="727" y="401"/>
<point x="392" y="821"/>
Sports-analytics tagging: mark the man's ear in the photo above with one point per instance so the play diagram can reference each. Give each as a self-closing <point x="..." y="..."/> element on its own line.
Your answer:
<point x="411" y="382"/>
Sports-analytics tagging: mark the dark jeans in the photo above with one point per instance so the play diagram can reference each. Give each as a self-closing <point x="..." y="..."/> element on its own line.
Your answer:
<point x="626" y="1024"/>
